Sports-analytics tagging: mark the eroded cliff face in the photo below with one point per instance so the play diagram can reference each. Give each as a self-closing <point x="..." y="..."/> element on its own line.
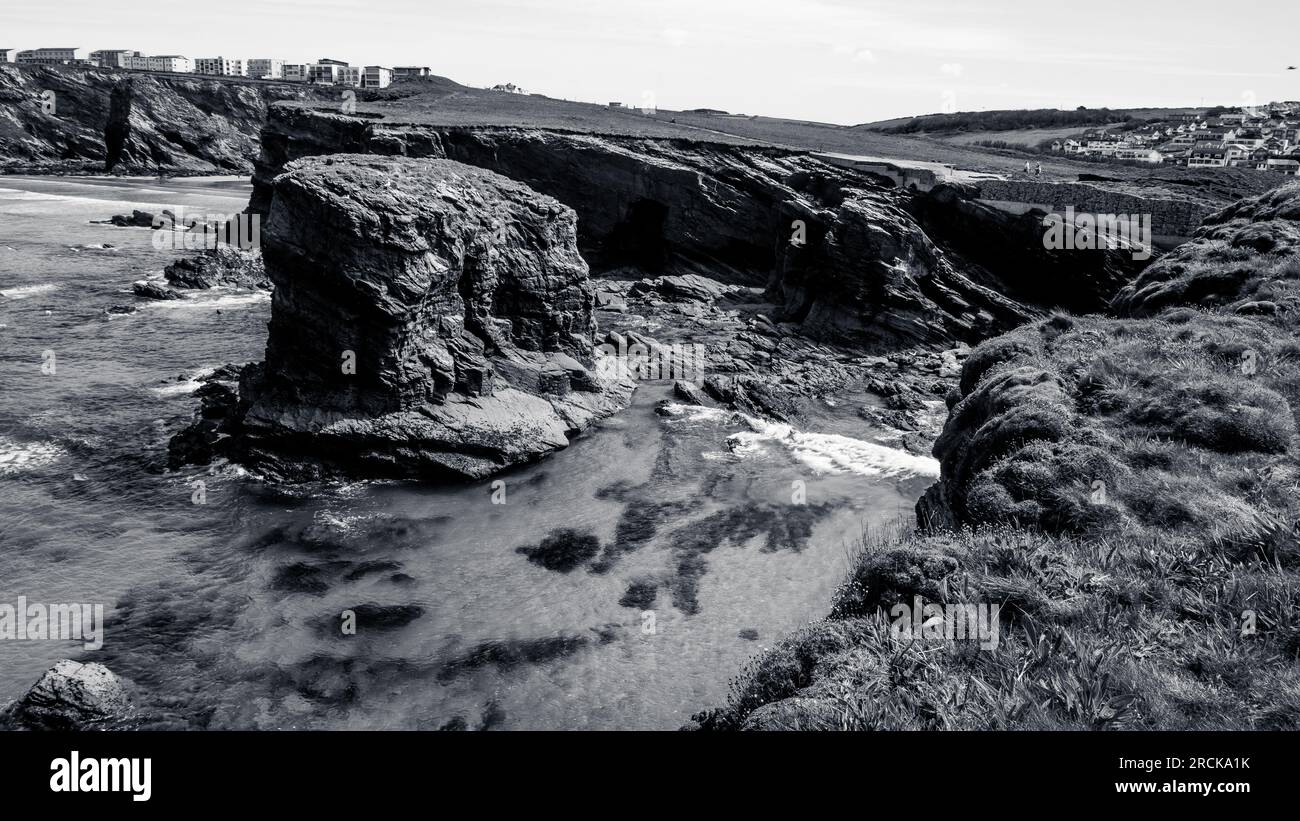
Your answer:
<point x="63" y="119"/>
<point x="1076" y="423"/>
<point x="1006" y="252"/>
<point x="429" y="319"/>
<point x="838" y="254"/>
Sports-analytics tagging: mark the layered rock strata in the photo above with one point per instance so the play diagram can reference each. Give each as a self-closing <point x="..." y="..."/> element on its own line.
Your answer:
<point x="428" y="319"/>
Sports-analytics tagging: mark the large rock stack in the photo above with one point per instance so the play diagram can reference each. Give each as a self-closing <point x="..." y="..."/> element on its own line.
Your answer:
<point x="429" y="319"/>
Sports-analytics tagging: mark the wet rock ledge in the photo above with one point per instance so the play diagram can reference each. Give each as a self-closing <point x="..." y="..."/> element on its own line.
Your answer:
<point x="429" y="319"/>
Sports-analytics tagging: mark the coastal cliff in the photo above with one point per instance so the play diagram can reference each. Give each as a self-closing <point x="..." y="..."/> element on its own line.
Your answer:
<point x="1122" y="488"/>
<point x="838" y="254"/>
<point x="63" y="119"/>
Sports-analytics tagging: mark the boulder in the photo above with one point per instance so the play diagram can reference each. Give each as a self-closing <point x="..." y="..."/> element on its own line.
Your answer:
<point x="71" y="696"/>
<point x="155" y="290"/>
<point x="136" y="219"/>
<point x="689" y="392"/>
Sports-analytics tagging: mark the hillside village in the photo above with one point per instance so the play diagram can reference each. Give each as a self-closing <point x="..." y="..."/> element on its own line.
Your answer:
<point x="324" y="71"/>
<point x="1263" y="138"/>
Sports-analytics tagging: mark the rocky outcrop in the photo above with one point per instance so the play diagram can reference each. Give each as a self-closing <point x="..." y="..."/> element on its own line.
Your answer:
<point x="70" y="696"/>
<point x="428" y="319"/>
<point x="839" y="255"/>
<point x="864" y="271"/>
<point x="149" y="289"/>
<point x="1006" y="253"/>
<point x="59" y="119"/>
<point x="136" y="219"/>
<point x="218" y="267"/>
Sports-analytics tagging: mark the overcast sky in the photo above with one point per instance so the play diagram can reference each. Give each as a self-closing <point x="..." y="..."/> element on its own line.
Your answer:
<point x="843" y="61"/>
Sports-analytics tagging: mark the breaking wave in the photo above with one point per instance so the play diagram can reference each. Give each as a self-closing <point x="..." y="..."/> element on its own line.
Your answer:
<point x="24" y="291"/>
<point x="822" y="452"/>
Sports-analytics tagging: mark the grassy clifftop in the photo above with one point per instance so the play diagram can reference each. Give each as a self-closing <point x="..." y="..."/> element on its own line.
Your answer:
<point x="1126" y="489"/>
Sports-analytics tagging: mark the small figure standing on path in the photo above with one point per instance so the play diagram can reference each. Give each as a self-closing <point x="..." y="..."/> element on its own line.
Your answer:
<point x="1039" y="170"/>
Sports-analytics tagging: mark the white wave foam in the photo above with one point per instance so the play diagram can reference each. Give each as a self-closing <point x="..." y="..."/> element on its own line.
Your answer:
<point x="24" y="291"/>
<point x="823" y="452"/>
<point x="17" y="457"/>
<point x="203" y="301"/>
<point x="14" y="194"/>
<point x="187" y="386"/>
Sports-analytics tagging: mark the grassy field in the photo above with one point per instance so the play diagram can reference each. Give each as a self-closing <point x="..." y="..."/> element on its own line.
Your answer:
<point x="1023" y="136"/>
<point x="1004" y="120"/>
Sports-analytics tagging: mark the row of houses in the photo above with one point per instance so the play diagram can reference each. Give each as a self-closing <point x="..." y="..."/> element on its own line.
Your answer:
<point x="1264" y="138"/>
<point x="322" y="72"/>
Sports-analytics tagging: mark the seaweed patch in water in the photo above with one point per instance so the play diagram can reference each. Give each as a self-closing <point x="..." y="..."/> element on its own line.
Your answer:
<point x="507" y="654"/>
<point x="785" y="528"/>
<point x="562" y="550"/>
<point x="640" y="595"/>
<point x="371" y="616"/>
<point x="637" y="525"/>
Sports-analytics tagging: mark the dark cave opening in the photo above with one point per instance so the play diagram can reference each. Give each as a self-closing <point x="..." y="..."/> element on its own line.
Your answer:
<point x="639" y="239"/>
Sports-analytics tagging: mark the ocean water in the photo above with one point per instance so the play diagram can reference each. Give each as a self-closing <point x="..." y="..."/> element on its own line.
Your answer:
<point x="618" y="584"/>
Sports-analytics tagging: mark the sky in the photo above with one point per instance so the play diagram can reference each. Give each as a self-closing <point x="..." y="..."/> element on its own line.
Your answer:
<point x="838" y="61"/>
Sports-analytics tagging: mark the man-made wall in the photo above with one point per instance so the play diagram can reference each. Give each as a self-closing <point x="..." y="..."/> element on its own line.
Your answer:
<point x="1173" y="220"/>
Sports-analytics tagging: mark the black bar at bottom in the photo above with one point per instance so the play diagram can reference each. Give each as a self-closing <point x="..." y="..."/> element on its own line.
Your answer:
<point x="303" y="770"/>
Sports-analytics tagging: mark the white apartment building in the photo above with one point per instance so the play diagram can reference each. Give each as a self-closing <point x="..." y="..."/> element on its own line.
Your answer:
<point x="6" y="55"/>
<point x="351" y="76"/>
<point x="135" y="62"/>
<point x="220" y="66"/>
<point x="170" y="62"/>
<point x="411" y="71"/>
<point x="48" y="56"/>
<point x="377" y="77"/>
<point x="327" y="72"/>
<point x="297" y="72"/>
<point x="265" y="68"/>
<point x="113" y="57"/>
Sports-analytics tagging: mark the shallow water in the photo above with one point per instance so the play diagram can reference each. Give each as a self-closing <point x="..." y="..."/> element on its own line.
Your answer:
<point x="697" y="537"/>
